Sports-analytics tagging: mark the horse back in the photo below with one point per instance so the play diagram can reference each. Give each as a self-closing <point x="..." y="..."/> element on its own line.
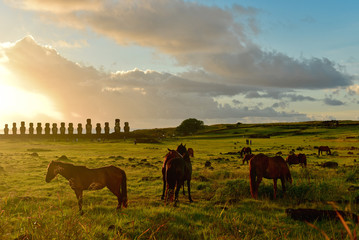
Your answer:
<point x="259" y="163"/>
<point x="107" y="175"/>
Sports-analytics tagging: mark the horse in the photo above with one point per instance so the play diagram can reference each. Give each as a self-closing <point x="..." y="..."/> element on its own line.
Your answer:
<point x="322" y="149"/>
<point x="297" y="159"/>
<point x="247" y="157"/>
<point x="174" y="177"/>
<point x="246" y="150"/>
<point x="82" y="178"/>
<point x="180" y="152"/>
<point x="268" y="167"/>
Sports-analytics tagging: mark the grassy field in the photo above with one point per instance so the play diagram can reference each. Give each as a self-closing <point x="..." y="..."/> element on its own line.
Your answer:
<point x="222" y="207"/>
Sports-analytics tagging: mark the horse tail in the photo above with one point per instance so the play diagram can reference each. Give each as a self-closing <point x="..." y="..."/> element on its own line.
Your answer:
<point x="252" y="179"/>
<point x="124" y="190"/>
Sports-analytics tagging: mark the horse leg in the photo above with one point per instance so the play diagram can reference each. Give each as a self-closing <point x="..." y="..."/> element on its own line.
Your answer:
<point x="189" y="190"/>
<point x="184" y="192"/>
<point x="78" y="193"/>
<point x="275" y="188"/>
<point x="259" y="180"/>
<point x="164" y="189"/>
<point x="178" y="188"/>
<point x="282" y="179"/>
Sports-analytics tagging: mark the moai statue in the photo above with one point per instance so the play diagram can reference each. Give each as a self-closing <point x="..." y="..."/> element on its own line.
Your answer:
<point x="62" y="128"/>
<point x="107" y="128"/>
<point x="14" y="129"/>
<point x="6" y="129"/>
<point x="79" y="129"/>
<point x="117" y="126"/>
<point x="22" y="128"/>
<point x="47" y="129"/>
<point x="39" y="129"/>
<point x="31" y="129"/>
<point x="71" y="129"/>
<point x="126" y="128"/>
<point x="98" y="128"/>
<point x="54" y="129"/>
<point x="88" y="127"/>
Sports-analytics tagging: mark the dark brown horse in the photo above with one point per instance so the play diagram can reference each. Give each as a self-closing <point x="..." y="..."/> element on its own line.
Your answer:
<point x="262" y="166"/>
<point x="246" y="150"/>
<point x="174" y="177"/>
<point x="81" y="178"/>
<point x="322" y="149"/>
<point x="247" y="157"/>
<point x="297" y="159"/>
<point x="185" y="154"/>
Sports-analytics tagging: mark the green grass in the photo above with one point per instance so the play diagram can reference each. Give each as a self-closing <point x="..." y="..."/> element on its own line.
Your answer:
<point x="223" y="207"/>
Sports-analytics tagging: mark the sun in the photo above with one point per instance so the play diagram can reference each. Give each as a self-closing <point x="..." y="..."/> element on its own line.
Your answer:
<point x="15" y="102"/>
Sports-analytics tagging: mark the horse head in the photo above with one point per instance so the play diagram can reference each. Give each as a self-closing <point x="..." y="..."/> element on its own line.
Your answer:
<point x="52" y="171"/>
<point x="182" y="149"/>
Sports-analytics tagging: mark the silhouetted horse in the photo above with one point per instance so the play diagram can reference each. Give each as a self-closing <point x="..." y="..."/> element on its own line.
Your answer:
<point x="268" y="167"/>
<point x="246" y="150"/>
<point x="247" y="157"/>
<point x="322" y="149"/>
<point x="185" y="154"/>
<point x="81" y="178"/>
<point x="297" y="159"/>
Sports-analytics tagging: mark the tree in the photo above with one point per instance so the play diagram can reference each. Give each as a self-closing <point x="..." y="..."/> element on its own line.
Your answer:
<point x="190" y="126"/>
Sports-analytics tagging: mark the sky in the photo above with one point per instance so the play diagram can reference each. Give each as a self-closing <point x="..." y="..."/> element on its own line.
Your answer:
<point x="155" y="63"/>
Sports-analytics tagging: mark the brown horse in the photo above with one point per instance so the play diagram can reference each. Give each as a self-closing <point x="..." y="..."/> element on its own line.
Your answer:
<point x="297" y="159"/>
<point x="81" y="178"/>
<point x="247" y="157"/>
<point x="322" y="149"/>
<point x="268" y="167"/>
<point x="246" y="150"/>
<point x="185" y="154"/>
<point x="174" y="177"/>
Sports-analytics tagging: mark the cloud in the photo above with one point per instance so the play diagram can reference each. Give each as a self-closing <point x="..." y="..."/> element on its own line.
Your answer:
<point x="65" y="44"/>
<point x="144" y="98"/>
<point x="353" y="89"/>
<point x="333" y="102"/>
<point x="201" y="37"/>
<point x="275" y="94"/>
<point x="57" y="6"/>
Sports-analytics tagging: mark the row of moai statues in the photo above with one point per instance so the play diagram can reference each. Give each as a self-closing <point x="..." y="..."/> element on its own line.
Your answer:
<point x="54" y="130"/>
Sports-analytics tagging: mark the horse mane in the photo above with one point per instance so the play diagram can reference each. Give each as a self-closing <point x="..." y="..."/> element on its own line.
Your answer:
<point x="70" y="166"/>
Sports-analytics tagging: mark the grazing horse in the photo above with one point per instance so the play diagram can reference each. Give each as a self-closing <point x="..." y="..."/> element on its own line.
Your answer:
<point x="247" y="157"/>
<point x="322" y="149"/>
<point x="297" y="159"/>
<point x="82" y="178"/>
<point x="268" y="167"/>
<point x="185" y="154"/>
<point x="246" y="150"/>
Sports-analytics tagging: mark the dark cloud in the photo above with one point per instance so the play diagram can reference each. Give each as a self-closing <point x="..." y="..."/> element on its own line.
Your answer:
<point x="333" y="102"/>
<point x="270" y="94"/>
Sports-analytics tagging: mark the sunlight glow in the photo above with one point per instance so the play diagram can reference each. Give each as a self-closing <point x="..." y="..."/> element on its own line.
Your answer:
<point x="15" y="102"/>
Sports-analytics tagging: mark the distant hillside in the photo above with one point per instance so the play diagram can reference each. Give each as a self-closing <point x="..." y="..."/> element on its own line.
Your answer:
<point x="262" y="130"/>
